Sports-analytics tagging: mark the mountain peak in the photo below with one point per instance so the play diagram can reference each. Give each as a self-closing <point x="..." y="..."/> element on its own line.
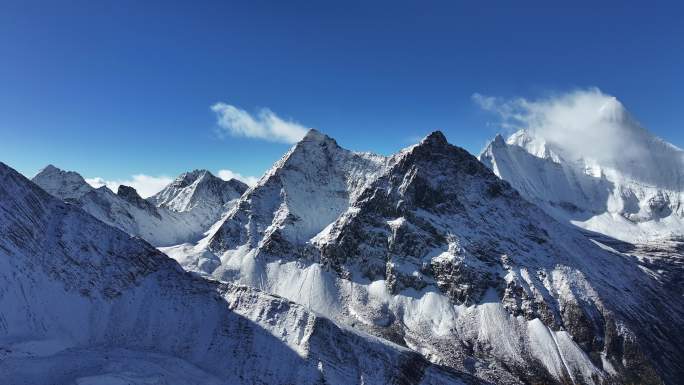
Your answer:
<point x="60" y="183"/>
<point x="613" y="111"/>
<point x="435" y="142"/>
<point x="128" y="192"/>
<point x="200" y="172"/>
<point x="49" y="169"/>
<point x="435" y="138"/>
<point x="131" y="195"/>
<point x="315" y="135"/>
<point x="309" y="149"/>
<point x="198" y="187"/>
<point x="188" y="178"/>
<point x="612" y="107"/>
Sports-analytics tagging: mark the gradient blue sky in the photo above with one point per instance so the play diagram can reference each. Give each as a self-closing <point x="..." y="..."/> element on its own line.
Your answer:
<point x="116" y="88"/>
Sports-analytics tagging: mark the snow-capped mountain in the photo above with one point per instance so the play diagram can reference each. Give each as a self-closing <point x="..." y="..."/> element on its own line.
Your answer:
<point x="632" y="189"/>
<point x="84" y="303"/>
<point x="199" y="196"/>
<point x="429" y="249"/>
<point x="312" y="185"/>
<point x="198" y="188"/>
<point x="67" y="185"/>
<point x="182" y="212"/>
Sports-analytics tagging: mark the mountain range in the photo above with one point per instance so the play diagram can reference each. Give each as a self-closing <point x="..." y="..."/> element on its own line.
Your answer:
<point x="85" y="303"/>
<point x="531" y="264"/>
<point x="181" y="212"/>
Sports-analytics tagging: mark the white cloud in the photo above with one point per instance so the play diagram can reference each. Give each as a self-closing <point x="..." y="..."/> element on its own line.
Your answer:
<point x="146" y="185"/>
<point x="265" y="125"/>
<point x="226" y="174"/>
<point x="582" y="123"/>
<point x="512" y="112"/>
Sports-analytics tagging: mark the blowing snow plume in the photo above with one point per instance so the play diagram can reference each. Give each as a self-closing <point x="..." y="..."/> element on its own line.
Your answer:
<point x="590" y="125"/>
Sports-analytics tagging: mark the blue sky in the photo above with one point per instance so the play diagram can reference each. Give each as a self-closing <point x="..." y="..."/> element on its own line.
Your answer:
<point x="117" y="88"/>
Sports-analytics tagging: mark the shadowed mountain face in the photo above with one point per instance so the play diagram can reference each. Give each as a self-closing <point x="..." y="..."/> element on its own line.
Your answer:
<point x="83" y="302"/>
<point x="430" y="249"/>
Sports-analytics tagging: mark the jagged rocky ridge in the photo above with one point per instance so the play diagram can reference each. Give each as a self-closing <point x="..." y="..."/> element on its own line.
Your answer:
<point x="83" y="302"/>
<point x="181" y="212"/>
<point x="428" y="248"/>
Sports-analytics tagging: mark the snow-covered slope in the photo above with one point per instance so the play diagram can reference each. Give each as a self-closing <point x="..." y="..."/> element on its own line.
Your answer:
<point x="634" y="192"/>
<point x="183" y="214"/>
<point x="428" y="248"/>
<point x="84" y="303"/>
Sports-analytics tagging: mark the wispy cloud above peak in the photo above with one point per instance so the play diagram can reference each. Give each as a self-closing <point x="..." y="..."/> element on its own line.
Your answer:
<point x="578" y="110"/>
<point x="513" y="113"/>
<point x="584" y="123"/>
<point x="265" y="124"/>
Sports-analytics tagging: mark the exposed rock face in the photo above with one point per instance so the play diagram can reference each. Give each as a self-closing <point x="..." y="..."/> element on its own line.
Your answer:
<point x="390" y="222"/>
<point x="131" y="196"/>
<point x="83" y="302"/>
<point x="428" y="248"/>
